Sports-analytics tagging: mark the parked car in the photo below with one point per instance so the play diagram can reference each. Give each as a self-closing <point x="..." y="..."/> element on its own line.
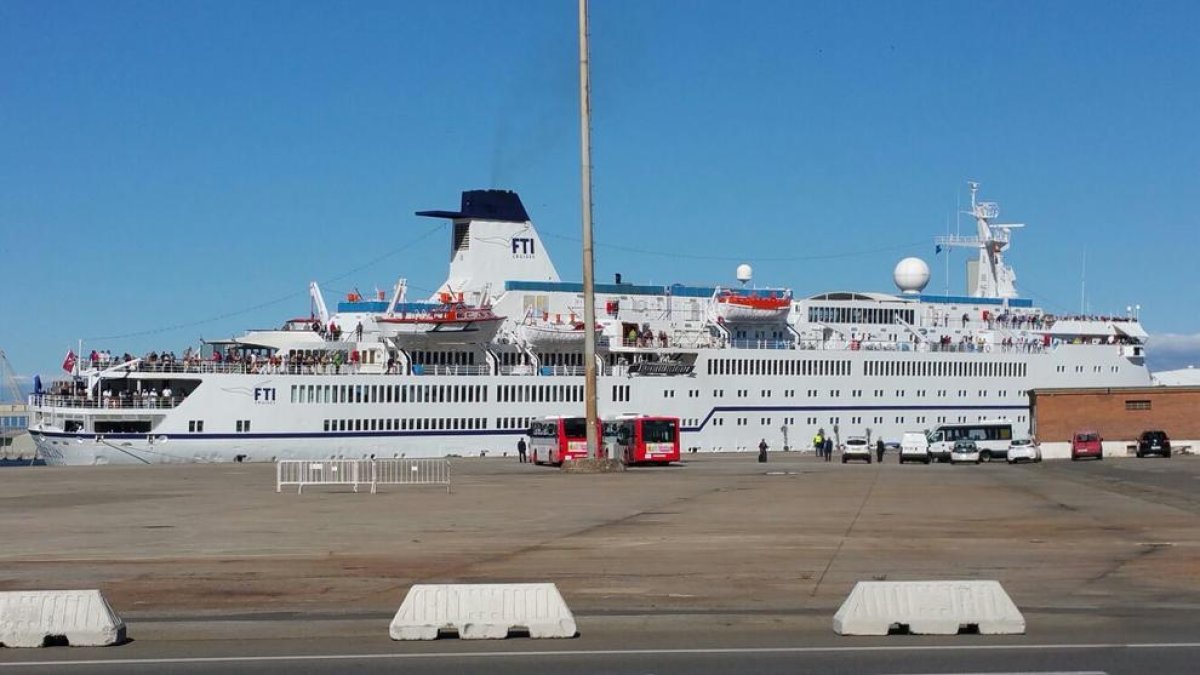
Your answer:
<point x="1087" y="444"/>
<point x="1024" y="450"/>
<point x="914" y="447"/>
<point x="964" y="451"/>
<point x="1154" y="443"/>
<point x="856" y="447"/>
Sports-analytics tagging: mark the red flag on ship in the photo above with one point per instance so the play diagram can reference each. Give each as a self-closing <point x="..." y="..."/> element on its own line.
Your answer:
<point x="69" y="362"/>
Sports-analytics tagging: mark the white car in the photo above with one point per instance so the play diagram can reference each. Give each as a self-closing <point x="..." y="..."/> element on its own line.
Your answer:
<point x="964" y="451"/>
<point x="914" y="447"/>
<point x="1024" y="450"/>
<point x="856" y="447"/>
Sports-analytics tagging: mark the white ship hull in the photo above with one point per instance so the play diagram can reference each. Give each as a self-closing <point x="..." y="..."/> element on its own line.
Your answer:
<point x="729" y="412"/>
<point x="845" y="363"/>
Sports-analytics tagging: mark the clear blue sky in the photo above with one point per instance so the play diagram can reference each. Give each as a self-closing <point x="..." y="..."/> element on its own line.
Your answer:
<point x="177" y="170"/>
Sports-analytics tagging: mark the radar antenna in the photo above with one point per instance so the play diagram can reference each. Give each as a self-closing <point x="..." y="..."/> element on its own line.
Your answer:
<point x="994" y="278"/>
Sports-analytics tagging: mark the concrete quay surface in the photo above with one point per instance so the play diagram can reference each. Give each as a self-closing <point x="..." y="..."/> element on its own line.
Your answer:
<point x="720" y="560"/>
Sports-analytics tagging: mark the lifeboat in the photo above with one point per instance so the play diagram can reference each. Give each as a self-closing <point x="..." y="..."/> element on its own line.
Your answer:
<point x="450" y="321"/>
<point x="753" y="305"/>
<point x="555" y="334"/>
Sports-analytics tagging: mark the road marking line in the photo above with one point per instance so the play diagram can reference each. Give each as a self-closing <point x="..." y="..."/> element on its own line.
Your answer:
<point x="592" y="652"/>
<point x="1026" y="673"/>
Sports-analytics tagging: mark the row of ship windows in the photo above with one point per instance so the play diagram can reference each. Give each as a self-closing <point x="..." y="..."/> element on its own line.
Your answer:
<point x="791" y="421"/>
<point x="529" y="393"/>
<point x="859" y="315"/>
<point x="389" y="393"/>
<point x="854" y="393"/>
<point x="774" y="367"/>
<point x="1095" y="369"/>
<point x="871" y="368"/>
<point x="442" y="393"/>
<point x="408" y="424"/>
<point x="394" y="424"/>
<point x="944" y="369"/>
<point x="535" y="393"/>
<point x="197" y="426"/>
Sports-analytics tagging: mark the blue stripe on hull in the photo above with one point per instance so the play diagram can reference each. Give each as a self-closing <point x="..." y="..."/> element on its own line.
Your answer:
<point x="443" y="433"/>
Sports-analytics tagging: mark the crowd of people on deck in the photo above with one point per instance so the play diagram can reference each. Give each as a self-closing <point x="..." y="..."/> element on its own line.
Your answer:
<point x="645" y="337"/>
<point x="330" y="332"/>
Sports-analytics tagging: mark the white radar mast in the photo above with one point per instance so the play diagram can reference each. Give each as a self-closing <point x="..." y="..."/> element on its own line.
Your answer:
<point x="994" y="278"/>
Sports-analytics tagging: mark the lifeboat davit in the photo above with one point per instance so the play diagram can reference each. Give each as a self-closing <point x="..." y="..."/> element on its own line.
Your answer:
<point x="753" y="305"/>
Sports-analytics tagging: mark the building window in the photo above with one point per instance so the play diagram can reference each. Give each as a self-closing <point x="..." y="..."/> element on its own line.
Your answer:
<point x="1137" y="405"/>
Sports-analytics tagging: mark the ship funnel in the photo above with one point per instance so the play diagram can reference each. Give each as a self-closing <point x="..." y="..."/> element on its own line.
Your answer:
<point x="493" y="241"/>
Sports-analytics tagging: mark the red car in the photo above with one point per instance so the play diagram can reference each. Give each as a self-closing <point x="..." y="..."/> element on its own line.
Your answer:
<point x="1087" y="444"/>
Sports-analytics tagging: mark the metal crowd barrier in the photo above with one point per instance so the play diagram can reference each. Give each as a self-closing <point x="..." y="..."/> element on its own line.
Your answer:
<point x="355" y="472"/>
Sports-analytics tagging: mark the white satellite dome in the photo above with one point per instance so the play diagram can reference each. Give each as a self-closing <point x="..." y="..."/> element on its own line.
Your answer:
<point x="744" y="272"/>
<point x="911" y="275"/>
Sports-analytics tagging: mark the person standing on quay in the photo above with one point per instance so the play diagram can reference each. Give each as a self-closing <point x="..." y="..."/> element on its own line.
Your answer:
<point x="521" y="451"/>
<point x="879" y="447"/>
<point x="762" y="450"/>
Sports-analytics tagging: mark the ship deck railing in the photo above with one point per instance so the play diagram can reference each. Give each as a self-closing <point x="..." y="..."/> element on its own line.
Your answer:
<point x="762" y="344"/>
<point x="419" y="369"/>
<point x="105" y="402"/>
<point x="952" y="347"/>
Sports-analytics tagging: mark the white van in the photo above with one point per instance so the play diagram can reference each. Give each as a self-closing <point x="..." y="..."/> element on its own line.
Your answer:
<point x="992" y="438"/>
<point x="914" y="447"/>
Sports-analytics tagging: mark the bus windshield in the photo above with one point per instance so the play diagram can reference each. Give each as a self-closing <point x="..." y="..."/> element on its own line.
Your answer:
<point x="658" y="431"/>
<point x="575" y="427"/>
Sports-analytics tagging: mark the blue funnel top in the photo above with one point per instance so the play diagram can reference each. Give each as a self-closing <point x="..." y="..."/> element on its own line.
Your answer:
<point x="501" y="205"/>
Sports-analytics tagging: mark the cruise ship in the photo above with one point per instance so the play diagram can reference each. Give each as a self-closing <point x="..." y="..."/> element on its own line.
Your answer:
<point x="500" y="343"/>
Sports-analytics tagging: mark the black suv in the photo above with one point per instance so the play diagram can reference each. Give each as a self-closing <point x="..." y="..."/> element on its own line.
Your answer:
<point x="1154" y="443"/>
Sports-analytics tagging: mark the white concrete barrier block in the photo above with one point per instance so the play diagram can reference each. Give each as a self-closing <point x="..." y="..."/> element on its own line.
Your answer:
<point x="482" y="611"/>
<point x="83" y="618"/>
<point x="928" y="608"/>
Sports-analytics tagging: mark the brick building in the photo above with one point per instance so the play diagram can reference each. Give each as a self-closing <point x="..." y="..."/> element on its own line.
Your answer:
<point x="1119" y="414"/>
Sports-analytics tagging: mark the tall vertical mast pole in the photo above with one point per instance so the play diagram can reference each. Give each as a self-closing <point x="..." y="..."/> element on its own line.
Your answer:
<point x="589" y="291"/>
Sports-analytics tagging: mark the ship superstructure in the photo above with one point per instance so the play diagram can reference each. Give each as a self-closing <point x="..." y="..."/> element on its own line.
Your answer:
<point x="500" y="343"/>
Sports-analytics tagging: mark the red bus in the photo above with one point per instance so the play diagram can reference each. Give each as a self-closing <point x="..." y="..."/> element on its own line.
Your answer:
<point x="642" y="439"/>
<point x="554" y="439"/>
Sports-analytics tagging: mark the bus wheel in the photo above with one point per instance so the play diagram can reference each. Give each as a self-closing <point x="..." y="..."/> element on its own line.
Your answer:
<point x="985" y="456"/>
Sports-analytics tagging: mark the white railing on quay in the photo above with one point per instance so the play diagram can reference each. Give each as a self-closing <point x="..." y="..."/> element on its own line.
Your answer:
<point x="410" y="472"/>
<point x="355" y="472"/>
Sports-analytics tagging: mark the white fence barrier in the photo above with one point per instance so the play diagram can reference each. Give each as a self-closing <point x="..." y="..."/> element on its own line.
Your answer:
<point x="355" y="472"/>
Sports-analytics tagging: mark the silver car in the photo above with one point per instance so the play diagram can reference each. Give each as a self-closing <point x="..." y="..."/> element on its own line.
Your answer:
<point x="964" y="451"/>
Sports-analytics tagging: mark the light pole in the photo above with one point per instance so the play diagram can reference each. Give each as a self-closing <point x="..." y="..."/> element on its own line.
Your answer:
<point x="589" y="291"/>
